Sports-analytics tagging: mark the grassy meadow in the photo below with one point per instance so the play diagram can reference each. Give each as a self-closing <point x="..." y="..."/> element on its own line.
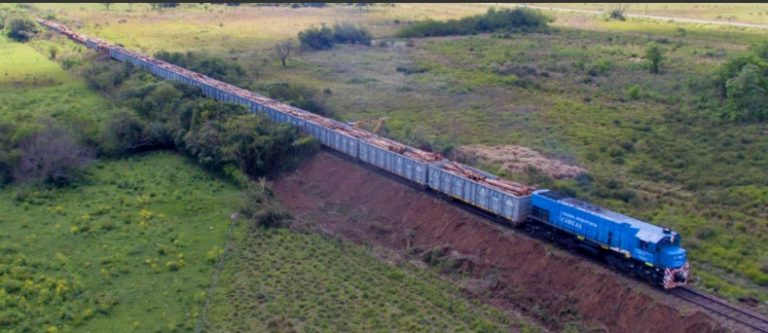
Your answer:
<point x="725" y="12"/>
<point x="126" y="251"/>
<point x="31" y="85"/>
<point x="278" y="280"/>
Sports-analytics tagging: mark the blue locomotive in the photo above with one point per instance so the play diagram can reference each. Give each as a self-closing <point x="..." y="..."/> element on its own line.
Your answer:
<point x="630" y="245"/>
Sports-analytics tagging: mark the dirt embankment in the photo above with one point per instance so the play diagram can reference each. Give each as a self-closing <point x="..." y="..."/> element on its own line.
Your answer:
<point x="517" y="158"/>
<point x="337" y="196"/>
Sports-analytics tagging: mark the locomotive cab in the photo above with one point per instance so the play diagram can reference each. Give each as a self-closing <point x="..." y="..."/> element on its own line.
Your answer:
<point x="673" y="259"/>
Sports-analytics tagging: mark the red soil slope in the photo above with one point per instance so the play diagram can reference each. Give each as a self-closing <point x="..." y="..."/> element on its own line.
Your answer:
<point x="337" y="196"/>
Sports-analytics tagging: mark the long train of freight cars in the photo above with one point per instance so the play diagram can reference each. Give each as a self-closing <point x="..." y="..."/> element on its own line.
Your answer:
<point x="634" y="246"/>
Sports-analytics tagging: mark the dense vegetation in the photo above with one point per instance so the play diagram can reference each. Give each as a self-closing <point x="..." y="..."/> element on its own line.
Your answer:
<point x="324" y="38"/>
<point x="170" y="114"/>
<point x="44" y="153"/>
<point x="20" y="28"/>
<point x="214" y="67"/>
<point x="743" y="83"/>
<point x="518" y="19"/>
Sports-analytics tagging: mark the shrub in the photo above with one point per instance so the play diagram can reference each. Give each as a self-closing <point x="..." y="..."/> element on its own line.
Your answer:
<point x="124" y="133"/>
<point x="50" y="155"/>
<point x="8" y="153"/>
<point x="297" y="95"/>
<point x="261" y="208"/>
<point x="411" y="69"/>
<point x="346" y="33"/>
<point x="654" y="55"/>
<point x="317" y="38"/>
<point x="52" y="52"/>
<point x="633" y="92"/>
<point x="105" y="77"/>
<point x="21" y="29"/>
<point x="217" y="68"/>
<point x="519" y="19"/>
<point x="323" y="37"/>
<point x="746" y="95"/>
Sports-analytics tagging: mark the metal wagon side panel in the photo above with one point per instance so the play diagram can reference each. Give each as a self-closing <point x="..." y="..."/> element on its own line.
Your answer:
<point x="400" y="165"/>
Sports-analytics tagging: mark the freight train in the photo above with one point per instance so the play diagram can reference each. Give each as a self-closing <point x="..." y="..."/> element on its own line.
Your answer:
<point x="643" y="249"/>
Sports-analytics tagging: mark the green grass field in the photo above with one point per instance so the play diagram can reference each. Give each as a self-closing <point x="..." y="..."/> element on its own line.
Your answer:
<point x="31" y="85"/>
<point x="125" y="251"/>
<point x="277" y="279"/>
<point x="725" y="12"/>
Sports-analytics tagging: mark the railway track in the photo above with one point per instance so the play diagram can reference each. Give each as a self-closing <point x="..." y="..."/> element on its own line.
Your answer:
<point x="745" y="319"/>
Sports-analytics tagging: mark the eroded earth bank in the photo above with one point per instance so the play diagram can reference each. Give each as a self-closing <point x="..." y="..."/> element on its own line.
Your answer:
<point x="331" y="194"/>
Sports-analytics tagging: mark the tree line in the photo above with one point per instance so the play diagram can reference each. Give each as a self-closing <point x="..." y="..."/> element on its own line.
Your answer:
<point x="167" y="114"/>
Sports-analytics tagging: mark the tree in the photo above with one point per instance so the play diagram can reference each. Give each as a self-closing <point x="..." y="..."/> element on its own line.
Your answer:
<point x="106" y="5"/>
<point x="746" y="95"/>
<point x="123" y="133"/>
<point x="283" y="51"/>
<point x="21" y="29"/>
<point x="50" y="155"/>
<point x="653" y="53"/>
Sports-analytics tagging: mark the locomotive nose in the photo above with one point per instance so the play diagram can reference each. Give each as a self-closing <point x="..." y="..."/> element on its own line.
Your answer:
<point x="681" y="276"/>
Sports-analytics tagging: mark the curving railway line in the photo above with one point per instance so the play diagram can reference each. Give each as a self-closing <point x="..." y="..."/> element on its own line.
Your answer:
<point x="743" y="318"/>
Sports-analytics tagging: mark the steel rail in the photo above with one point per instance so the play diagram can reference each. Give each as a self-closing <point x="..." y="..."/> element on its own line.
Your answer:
<point x="722" y="308"/>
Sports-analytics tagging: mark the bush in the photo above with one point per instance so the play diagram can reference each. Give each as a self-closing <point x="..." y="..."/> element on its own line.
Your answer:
<point x="105" y="77"/>
<point x="346" y="33"/>
<point x="633" y="92"/>
<point x="324" y="38"/>
<point x="411" y="69"/>
<point x="8" y="153"/>
<point x="50" y="155"/>
<point x="654" y="55"/>
<point x="261" y="208"/>
<point x="52" y="52"/>
<point x="124" y="133"/>
<point x="297" y="95"/>
<point x="21" y="29"/>
<point x="216" y="68"/>
<point x="519" y="19"/>
<point x="746" y="95"/>
<point x="317" y="38"/>
<point x="741" y="82"/>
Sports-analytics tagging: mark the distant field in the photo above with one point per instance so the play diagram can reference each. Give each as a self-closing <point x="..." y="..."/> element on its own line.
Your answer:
<point x="234" y="29"/>
<point x="725" y="12"/>
<point x="32" y="85"/>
